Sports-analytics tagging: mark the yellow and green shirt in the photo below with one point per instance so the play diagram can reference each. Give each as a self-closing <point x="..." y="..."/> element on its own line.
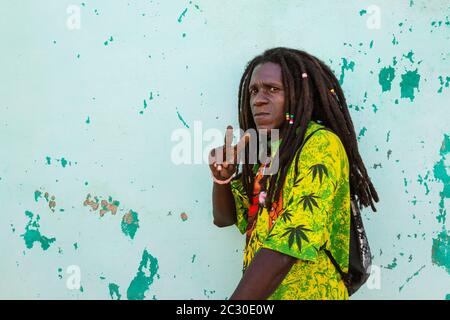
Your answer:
<point x="315" y="211"/>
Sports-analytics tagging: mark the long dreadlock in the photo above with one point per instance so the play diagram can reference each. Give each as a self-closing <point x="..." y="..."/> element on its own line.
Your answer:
<point x="306" y="100"/>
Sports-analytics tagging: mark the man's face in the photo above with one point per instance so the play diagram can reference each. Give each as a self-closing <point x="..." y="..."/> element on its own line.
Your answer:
<point x="267" y="96"/>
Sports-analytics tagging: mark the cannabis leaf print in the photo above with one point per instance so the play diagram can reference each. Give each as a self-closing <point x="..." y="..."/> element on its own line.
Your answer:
<point x="319" y="168"/>
<point x="309" y="201"/>
<point x="296" y="234"/>
<point x="287" y="214"/>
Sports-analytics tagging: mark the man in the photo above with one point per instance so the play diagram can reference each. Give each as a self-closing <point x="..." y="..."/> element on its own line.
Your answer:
<point x="290" y="217"/>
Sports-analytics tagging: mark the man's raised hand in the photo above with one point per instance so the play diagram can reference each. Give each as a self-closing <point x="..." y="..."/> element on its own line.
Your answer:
<point x="223" y="160"/>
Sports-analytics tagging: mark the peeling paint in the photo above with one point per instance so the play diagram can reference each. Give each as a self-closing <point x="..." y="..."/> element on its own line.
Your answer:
<point x="410" y="81"/>
<point x="410" y="278"/>
<point x="440" y="252"/>
<point x="182" y="120"/>
<point x="182" y="15"/>
<point x="443" y="84"/>
<point x="409" y="56"/>
<point x="111" y="39"/>
<point x="385" y="77"/>
<point x="394" y="40"/>
<point x="105" y="206"/>
<point x="130" y="224"/>
<point x="37" y="195"/>
<point x="440" y="173"/>
<point x="32" y="233"/>
<point x="114" y="291"/>
<point x="423" y="181"/>
<point x="345" y="66"/>
<point x="392" y="265"/>
<point x="64" y="162"/>
<point x="146" y="104"/>
<point x="355" y="107"/>
<point x="375" y="108"/>
<point x="148" y="268"/>
<point x="208" y="293"/>
<point x="51" y="200"/>
<point x="362" y="132"/>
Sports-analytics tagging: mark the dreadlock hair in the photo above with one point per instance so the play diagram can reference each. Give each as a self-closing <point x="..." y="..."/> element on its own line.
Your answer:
<point x="306" y="100"/>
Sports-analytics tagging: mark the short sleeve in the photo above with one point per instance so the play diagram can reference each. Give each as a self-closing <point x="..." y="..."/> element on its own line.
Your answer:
<point x="242" y="204"/>
<point x="301" y="229"/>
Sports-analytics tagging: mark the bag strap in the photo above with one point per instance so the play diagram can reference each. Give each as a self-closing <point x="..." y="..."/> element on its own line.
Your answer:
<point x="345" y="276"/>
<point x="310" y="135"/>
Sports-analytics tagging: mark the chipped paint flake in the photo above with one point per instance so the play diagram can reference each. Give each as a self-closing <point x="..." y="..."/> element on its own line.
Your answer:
<point x="130" y="224"/>
<point x="114" y="291"/>
<point x="385" y="77"/>
<point x="32" y="233"/>
<point x="148" y="268"/>
<point x="410" y="82"/>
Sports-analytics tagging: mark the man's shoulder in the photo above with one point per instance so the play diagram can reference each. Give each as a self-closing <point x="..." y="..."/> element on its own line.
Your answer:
<point x="322" y="138"/>
<point x="325" y="146"/>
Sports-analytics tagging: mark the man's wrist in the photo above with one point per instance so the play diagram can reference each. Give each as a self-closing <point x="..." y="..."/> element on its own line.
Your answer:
<point x="223" y="182"/>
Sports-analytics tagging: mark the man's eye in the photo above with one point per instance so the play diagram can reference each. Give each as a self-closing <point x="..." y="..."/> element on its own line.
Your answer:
<point x="252" y="91"/>
<point x="273" y="89"/>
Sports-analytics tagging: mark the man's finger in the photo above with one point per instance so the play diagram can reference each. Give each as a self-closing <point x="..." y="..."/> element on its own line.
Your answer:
<point x="242" y="143"/>
<point x="212" y="158"/>
<point x="228" y="136"/>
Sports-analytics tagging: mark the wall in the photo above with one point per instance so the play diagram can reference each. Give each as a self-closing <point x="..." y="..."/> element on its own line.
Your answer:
<point x="91" y="92"/>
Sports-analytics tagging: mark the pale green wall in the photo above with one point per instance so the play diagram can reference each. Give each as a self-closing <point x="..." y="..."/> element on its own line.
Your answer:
<point x="189" y="56"/>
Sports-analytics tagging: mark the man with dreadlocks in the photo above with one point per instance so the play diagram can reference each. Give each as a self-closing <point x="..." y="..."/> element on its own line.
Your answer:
<point x="291" y="216"/>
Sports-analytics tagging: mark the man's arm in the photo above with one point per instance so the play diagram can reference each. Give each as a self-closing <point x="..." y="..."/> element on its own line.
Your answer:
<point x="265" y="273"/>
<point x="224" y="207"/>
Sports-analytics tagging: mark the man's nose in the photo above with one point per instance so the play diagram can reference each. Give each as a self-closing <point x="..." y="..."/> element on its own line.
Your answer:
<point x="260" y="99"/>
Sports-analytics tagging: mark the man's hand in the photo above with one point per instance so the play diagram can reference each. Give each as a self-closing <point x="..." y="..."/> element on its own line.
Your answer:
<point x="223" y="160"/>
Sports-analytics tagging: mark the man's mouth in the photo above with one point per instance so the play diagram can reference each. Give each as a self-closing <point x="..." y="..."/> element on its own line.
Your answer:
<point x="261" y="114"/>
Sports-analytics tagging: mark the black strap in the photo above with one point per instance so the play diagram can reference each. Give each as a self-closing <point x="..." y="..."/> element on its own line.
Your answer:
<point x="310" y="135"/>
<point x="345" y="276"/>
